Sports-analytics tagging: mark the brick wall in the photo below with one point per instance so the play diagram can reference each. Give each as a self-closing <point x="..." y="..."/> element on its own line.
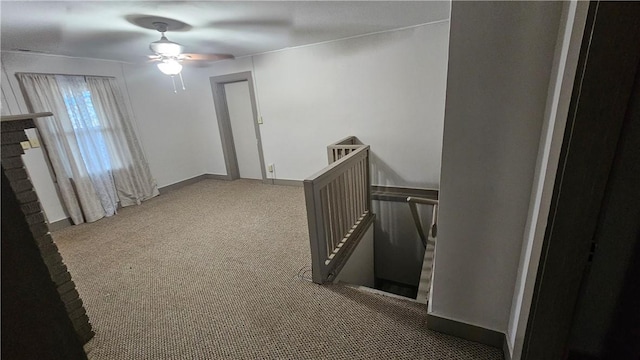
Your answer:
<point x="12" y="133"/>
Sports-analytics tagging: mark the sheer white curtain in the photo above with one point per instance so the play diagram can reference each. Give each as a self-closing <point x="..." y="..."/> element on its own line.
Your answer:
<point x="87" y="132"/>
<point x="80" y="197"/>
<point x="133" y="179"/>
<point x="91" y="145"/>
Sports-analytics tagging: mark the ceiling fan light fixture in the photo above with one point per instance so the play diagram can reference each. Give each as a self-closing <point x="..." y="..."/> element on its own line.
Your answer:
<point x="170" y="67"/>
<point x="166" y="47"/>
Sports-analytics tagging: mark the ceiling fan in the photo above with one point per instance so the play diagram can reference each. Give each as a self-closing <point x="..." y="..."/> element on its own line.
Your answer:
<point x="170" y="55"/>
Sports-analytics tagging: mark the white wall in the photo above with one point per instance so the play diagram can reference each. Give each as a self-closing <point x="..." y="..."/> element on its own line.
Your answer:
<point x="500" y="63"/>
<point x="573" y="20"/>
<point x="178" y="130"/>
<point x="387" y="89"/>
<point x="359" y="267"/>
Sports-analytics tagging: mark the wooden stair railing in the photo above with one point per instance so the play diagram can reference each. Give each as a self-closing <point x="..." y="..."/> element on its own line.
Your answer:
<point x="338" y="200"/>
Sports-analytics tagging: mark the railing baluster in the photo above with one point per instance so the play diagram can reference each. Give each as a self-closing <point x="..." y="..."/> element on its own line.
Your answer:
<point x="367" y="179"/>
<point x="339" y="202"/>
<point x="345" y="216"/>
<point x="347" y="201"/>
<point x="354" y="186"/>
<point x="328" y="219"/>
<point x="360" y="179"/>
<point x="324" y="198"/>
<point x="334" y="218"/>
<point x="336" y="202"/>
<point x="352" y="200"/>
<point x="356" y="182"/>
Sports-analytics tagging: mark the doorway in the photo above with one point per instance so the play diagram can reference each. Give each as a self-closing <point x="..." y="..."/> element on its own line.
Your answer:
<point x="584" y="302"/>
<point x="234" y="99"/>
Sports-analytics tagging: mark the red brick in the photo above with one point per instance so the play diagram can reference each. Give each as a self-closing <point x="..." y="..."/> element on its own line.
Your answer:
<point x="30" y="208"/>
<point x="16" y="125"/>
<point x="27" y="196"/>
<point x="13" y="137"/>
<point x="10" y="150"/>
<point x="16" y="174"/>
<point x="73" y="304"/>
<point x="52" y="259"/>
<point x="61" y="278"/>
<point x="12" y="162"/>
<point x="35" y="218"/>
<point x="39" y="230"/>
<point x="21" y="185"/>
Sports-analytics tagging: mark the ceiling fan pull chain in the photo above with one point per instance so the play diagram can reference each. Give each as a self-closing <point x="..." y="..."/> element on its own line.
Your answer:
<point x="181" y="81"/>
<point x="173" y="81"/>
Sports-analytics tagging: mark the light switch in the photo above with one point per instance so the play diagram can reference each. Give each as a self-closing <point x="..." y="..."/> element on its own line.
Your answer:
<point x="25" y="145"/>
<point x="259" y="119"/>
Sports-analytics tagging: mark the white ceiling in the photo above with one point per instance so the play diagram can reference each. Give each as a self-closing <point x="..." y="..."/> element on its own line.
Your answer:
<point x="100" y="29"/>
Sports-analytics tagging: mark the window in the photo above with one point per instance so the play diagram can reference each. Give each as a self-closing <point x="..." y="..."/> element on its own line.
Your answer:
<point x="87" y="129"/>
<point x="90" y="143"/>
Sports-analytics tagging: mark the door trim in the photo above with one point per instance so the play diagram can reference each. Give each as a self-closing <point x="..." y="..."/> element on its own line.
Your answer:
<point x="224" y="122"/>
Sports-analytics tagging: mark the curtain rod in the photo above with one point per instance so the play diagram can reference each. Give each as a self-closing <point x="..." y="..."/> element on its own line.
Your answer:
<point x="36" y="73"/>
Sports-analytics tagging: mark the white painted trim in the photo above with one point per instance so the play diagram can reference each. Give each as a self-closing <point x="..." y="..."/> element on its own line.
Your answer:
<point x="559" y="97"/>
<point x="63" y="56"/>
<point x="374" y="291"/>
<point x="461" y="329"/>
<point x="346" y="38"/>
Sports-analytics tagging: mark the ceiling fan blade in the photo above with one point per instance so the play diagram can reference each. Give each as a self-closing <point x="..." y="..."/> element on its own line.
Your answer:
<point x="149" y="59"/>
<point x="206" y="57"/>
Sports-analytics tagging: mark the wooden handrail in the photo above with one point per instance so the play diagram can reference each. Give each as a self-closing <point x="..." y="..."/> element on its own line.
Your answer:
<point x="433" y="228"/>
<point x="349" y="140"/>
<point x="342" y="148"/>
<point x="338" y="166"/>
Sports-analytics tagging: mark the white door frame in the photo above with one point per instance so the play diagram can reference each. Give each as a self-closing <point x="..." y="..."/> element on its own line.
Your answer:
<point x="224" y="122"/>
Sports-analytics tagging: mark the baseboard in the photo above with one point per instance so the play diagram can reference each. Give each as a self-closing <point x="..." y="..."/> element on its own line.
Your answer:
<point x="466" y="331"/>
<point x="193" y="180"/>
<point x="218" y="177"/>
<point x="60" y="224"/>
<point x="505" y="348"/>
<point x="284" y="182"/>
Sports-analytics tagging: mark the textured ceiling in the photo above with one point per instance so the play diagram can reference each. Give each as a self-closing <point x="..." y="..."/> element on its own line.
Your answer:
<point x="108" y="30"/>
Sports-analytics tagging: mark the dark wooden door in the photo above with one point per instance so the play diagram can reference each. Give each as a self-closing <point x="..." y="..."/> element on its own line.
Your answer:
<point x="595" y="176"/>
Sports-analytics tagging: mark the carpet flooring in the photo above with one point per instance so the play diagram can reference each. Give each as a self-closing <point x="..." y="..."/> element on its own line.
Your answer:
<point x="210" y="271"/>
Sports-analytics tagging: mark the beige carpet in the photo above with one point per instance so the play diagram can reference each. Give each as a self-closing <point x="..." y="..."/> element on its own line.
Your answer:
<point x="209" y="271"/>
